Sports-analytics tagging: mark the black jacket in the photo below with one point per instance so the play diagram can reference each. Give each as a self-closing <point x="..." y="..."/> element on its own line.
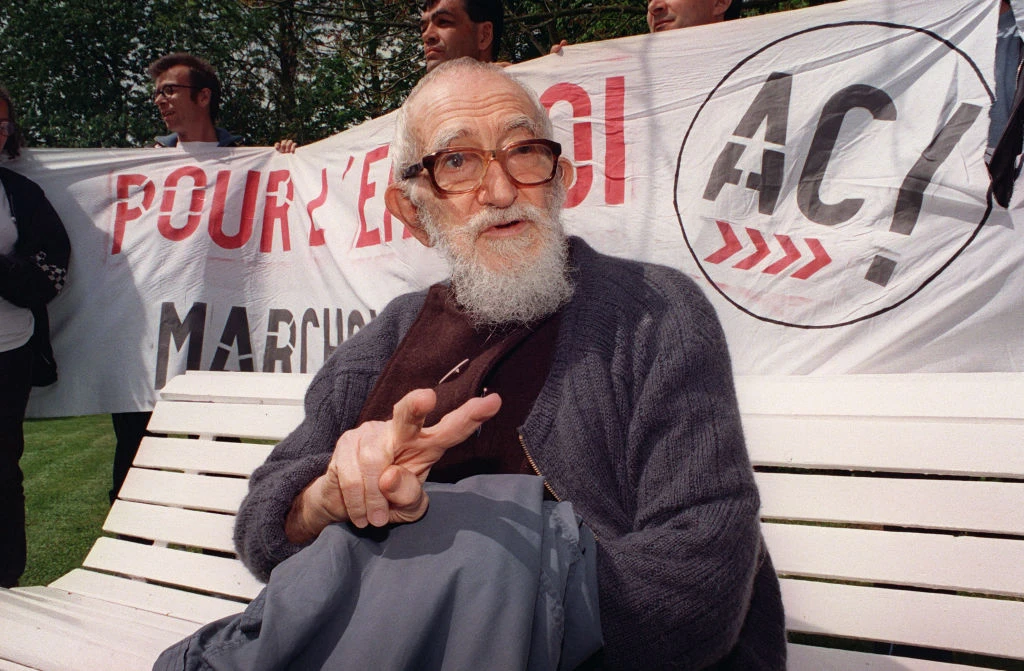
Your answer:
<point x="36" y="271"/>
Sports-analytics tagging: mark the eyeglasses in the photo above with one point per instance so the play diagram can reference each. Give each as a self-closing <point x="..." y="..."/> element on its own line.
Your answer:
<point x="167" y="90"/>
<point x="461" y="169"/>
<point x="8" y="127"/>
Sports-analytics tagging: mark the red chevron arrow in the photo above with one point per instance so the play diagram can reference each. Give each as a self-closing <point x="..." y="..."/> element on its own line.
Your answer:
<point x="821" y="259"/>
<point x="792" y="254"/>
<point x="731" y="246"/>
<point x="760" y="252"/>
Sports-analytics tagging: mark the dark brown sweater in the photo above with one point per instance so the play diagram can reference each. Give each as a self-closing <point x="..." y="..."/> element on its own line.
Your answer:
<point x="443" y="351"/>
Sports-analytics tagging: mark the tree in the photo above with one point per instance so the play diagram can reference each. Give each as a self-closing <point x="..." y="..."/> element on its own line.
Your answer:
<point x="290" y="68"/>
<point x="75" y="73"/>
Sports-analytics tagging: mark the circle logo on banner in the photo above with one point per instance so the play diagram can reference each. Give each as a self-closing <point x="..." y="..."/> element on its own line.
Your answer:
<point x="834" y="173"/>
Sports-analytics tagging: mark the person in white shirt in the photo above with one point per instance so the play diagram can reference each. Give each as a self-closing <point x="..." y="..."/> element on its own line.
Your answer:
<point x="34" y="254"/>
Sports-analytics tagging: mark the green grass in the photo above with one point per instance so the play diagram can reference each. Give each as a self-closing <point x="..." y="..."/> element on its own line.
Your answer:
<point x="67" y="464"/>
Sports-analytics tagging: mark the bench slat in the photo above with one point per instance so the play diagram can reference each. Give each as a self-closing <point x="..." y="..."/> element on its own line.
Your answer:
<point x="199" y="492"/>
<point x="945" y="621"/>
<point x="874" y="444"/>
<point x="986" y="507"/>
<point x="201" y="456"/>
<point x="945" y="395"/>
<point x="242" y="420"/>
<point x="237" y="387"/>
<point x="927" y="560"/>
<point x="219" y="575"/>
<point x="169" y="601"/>
<point x="49" y="629"/>
<point x="815" y="658"/>
<point x="211" y="531"/>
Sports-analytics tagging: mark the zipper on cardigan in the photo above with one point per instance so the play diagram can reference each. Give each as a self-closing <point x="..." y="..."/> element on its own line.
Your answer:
<point x="547" y="485"/>
<point x="533" y="465"/>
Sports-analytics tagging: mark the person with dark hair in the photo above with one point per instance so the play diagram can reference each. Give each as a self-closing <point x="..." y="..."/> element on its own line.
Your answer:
<point x="451" y="29"/>
<point x="34" y="255"/>
<point x="187" y="93"/>
<point x="734" y="10"/>
<point x="672" y="14"/>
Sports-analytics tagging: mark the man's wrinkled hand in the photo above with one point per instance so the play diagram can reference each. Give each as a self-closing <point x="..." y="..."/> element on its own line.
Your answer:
<point x="376" y="473"/>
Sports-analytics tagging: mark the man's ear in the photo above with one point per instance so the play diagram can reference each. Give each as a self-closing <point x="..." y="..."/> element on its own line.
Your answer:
<point x="720" y="8"/>
<point x="400" y="206"/>
<point x="567" y="172"/>
<point x="204" y="97"/>
<point x="485" y="39"/>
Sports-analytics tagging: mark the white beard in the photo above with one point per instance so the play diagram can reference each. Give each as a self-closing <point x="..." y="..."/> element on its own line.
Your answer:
<point x="533" y="284"/>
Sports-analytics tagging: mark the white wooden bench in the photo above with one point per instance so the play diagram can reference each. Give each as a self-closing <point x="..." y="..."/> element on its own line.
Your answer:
<point x="893" y="507"/>
<point x="131" y="600"/>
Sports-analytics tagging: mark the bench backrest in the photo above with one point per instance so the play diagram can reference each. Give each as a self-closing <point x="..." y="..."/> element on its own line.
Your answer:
<point x="181" y="495"/>
<point x="893" y="507"/>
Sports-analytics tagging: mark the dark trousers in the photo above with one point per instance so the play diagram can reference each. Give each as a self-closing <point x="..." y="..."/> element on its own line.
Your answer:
<point x="129" y="429"/>
<point x="15" y="385"/>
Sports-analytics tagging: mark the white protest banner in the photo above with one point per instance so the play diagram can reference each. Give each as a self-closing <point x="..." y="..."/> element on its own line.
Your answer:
<point x="819" y="172"/>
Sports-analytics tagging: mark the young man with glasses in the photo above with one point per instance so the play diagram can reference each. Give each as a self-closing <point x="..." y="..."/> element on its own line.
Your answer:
<point x="608" y="378"/>
<point x="187" y="91"/>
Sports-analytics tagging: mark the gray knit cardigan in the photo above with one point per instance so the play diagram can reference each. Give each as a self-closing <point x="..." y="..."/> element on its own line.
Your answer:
<point x="637" y="425"/>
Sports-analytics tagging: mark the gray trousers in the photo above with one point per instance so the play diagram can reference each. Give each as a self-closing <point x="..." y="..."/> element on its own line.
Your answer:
<point x="492" y="577"/>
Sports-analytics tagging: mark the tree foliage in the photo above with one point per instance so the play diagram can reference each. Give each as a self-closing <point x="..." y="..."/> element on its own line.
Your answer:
<point x="303" y="69"/>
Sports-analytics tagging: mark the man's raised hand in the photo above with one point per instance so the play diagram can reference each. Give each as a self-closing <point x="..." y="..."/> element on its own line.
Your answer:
<point x="377" y="471"/>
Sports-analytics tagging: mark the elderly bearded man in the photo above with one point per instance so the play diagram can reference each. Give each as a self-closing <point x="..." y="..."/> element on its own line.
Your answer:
<point x="609" y="379"/>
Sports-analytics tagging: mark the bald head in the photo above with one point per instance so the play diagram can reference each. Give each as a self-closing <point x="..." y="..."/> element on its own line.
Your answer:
<point x="480" y="177"/>
<point x="443" y="99"/>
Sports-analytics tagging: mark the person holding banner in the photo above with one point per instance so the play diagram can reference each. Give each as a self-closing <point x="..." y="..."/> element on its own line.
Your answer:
<point x="187" y="92"/>
<point x="452" y="29"/>
<point x="606" y="379"/>
<point x="672" y="14"/>
<point x="34" y="254"/>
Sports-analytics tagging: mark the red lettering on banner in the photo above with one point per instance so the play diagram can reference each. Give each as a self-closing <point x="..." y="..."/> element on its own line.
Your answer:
<point x="183" y="206"/>
<point x="367" y="190"/>
<point x="615" y="141"/>
<point x="220" y="193"/>
<point x="123" y="213"/>
<point x="274" y="209"/>
<point x="316" y="235"/>
<point x="582" y="136"/>
<point x="195" y="210"/>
